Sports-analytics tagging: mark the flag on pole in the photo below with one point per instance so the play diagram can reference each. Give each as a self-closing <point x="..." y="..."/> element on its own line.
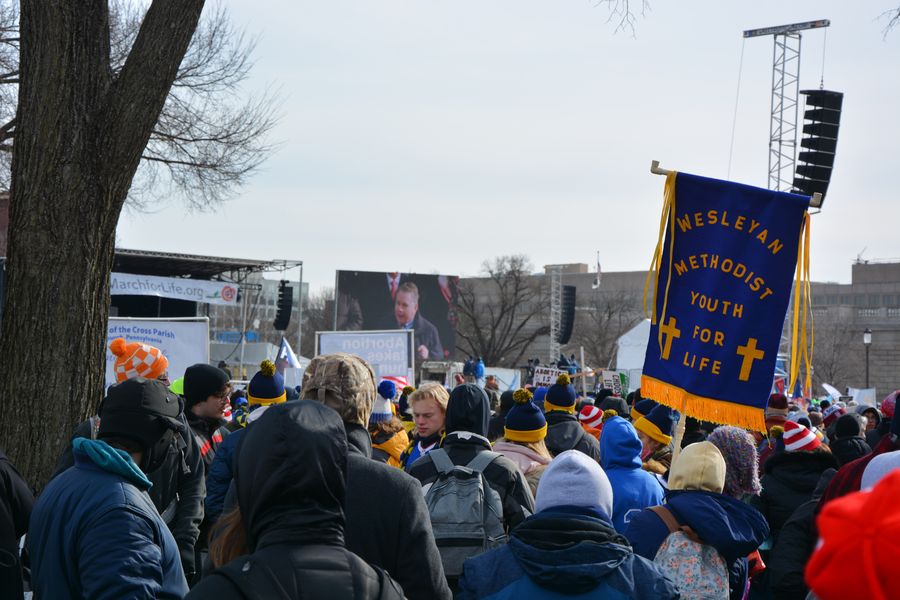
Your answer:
<point x="596" y="284"/>
<point x="722" y="287"/>
<point x="286" y="357"/>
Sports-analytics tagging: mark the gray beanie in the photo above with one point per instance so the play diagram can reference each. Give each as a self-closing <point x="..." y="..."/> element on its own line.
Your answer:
<point x="574" y="479"/>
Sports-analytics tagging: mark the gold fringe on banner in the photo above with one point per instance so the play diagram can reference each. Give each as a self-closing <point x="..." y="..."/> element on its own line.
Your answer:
<point x="702" y="408"/>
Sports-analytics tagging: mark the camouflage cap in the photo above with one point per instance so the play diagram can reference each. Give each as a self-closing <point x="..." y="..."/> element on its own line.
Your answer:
<point x="343" y="382"/>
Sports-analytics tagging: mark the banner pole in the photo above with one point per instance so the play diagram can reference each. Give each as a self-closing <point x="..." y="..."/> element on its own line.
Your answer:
<point x="583" y="379"/>
<point x="679" y="435"/>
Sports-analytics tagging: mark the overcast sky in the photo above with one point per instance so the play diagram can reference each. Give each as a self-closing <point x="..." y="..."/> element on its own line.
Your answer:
<point x="429" y="136"/>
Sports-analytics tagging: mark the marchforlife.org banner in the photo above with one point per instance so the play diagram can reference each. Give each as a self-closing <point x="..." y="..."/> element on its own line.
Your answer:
<point x="194" y="290"/>
<point x="724" y="283"/>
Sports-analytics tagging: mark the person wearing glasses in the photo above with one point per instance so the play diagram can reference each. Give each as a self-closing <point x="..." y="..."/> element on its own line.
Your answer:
<point x="207" y="392"/>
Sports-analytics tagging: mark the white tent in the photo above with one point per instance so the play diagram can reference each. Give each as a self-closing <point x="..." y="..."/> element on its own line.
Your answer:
<point x="632" y="349"/>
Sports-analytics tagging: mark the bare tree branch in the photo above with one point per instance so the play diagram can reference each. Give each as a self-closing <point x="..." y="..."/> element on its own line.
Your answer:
<point x="621" y="12"/>
<point x="893" y="19"/>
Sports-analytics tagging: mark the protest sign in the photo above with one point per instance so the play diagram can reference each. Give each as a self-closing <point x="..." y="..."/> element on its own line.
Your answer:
<point x="617" y="381"/>
<point x="183" y="342"/>
<point x="545" y="376"/>
<point x="388" y="352"/>
<point x="723" y="284"/>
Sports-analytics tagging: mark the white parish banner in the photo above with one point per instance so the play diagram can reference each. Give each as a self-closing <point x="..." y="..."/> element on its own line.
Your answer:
<point x="183" y="342"/>
<point x="194" y="290"/>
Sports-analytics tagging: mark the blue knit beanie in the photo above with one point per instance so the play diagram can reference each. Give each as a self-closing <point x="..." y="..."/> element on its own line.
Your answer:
<point x="267" y="386"/>
<point x="561" y="395"/>
<point x="539" y="394"/>
<point x="525" y="421"/>
<point x="387" y="389"/>
<point x="658" y="424"/>
<point x="641" y="408"/>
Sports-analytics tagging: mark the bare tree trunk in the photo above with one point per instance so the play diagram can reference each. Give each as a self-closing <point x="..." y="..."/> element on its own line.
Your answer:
<point x="79" y="138"/>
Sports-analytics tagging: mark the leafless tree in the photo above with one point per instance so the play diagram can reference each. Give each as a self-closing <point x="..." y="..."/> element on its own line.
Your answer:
<point x="892" y="17"/>
<point x="836" y="359"/>
<point x="81" y="128"/>
<point x="601" y="323"/>
<point x="622" y="13"/>
<point x="502" y="313"/>
<point x="210" y="135"/>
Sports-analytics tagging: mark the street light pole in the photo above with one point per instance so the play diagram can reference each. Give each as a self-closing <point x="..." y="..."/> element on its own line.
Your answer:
<point x="867" y="341"/>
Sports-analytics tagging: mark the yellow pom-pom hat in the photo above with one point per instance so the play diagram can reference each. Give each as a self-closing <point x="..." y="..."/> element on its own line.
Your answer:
<point x="267" y="386"/>
<point x="561" y="395"/>
<point x="525" y="421"/>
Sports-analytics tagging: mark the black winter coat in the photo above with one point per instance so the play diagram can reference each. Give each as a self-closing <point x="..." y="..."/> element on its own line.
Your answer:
<point x="293" y="514"/>
<point x="564" y="432"/>
<point x="789" y="480"/>
<point x="16" y="502"/>
<point x="849" y="449"/>
<point x="795" y="545"/>
<point x="388" y="523"/>
<point x="178" y="488"/>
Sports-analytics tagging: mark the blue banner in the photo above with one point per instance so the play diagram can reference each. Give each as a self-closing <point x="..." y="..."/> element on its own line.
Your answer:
<point x="724" y="281"/>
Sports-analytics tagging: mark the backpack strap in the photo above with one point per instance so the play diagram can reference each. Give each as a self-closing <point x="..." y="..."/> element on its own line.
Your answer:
<point x="666" y="516"/>
<point x="673" y="525"/>
<point x="482" y="460"/>
<point x="441" y="460"/>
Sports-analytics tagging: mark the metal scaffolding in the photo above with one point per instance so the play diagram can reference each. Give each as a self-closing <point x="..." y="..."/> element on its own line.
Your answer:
<point x="785" y="103"/>
<point x="785" y="99"/>
<point x="554" y="272"/>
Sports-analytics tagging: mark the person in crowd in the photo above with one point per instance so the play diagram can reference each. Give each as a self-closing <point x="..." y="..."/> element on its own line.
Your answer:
<point x="498" y="421"/>
<point x="848" y="478"/>
<point x="523" y="438"/>
<point x="739" y="451"/>
<point x="858" y="529"/>
<point x="285" y="539"/>
<point x="874" y="436"/>
<point x="591" y="419"/>
<point x="776" y="416"/>
<point x="641" y="408"/>
<point x="403" y="409"/>
<point x="695" y="500"/>
<point x="569" y="548"/>
<point x="655" y="431"/>
<point x="16" y="502"/>
<point x="791" y="475"/>
<point x="693" y="432"/>
<point x="179" y="485"/>
<point x="878" y="468"/>
<point x="564" y="432"/>
<point x="615" y="403"/>
<point x="207" y="390"/>
<point x="224" y="366"/>
<point x="266" y="388"/>
<point x="429" y="408"/>
<point x="795" y="545"/>
<point x="94" y="532"/>
<point x="466" y="426"/>
<point x="848" y="443"/>
<point x="493" y="400"/>
<point x="240" y="410"/>
<point x="634" y="489"/>
<point x="387" y="520"/>
<point x="389" y="438"/>
<point x="830" y="416"/>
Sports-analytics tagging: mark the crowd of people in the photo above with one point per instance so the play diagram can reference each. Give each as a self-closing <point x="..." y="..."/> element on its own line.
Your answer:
<point x="349" y="487"/>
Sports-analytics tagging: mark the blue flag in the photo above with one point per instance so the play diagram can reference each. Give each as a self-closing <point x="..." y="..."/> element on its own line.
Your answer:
<point x="724" y="275"/>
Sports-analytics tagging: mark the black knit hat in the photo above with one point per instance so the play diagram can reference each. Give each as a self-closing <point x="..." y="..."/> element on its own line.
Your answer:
<point x="144" y="412"/>
<point x="847" y="426"/>
<point x="202" y="381"/>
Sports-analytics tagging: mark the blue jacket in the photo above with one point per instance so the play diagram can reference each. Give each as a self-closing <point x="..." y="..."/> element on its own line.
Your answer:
<point x="95" y="533"/>
<point x="220" y="474"/>
<point x="733" y="528"/>
<point x="564" y="552"/>
<point x="620" y="456"/>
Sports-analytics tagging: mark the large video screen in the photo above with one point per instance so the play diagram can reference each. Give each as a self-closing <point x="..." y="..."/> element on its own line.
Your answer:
<point x="368" y="301"/>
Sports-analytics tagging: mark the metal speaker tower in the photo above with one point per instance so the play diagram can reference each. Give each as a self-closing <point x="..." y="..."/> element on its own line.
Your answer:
<point x="785" y="99"/>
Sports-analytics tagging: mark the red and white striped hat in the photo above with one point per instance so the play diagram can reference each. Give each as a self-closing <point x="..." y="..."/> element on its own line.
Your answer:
<point x="799" y="438"/>
<point x="399" y="381"/>
<point x="591" y="416"/>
